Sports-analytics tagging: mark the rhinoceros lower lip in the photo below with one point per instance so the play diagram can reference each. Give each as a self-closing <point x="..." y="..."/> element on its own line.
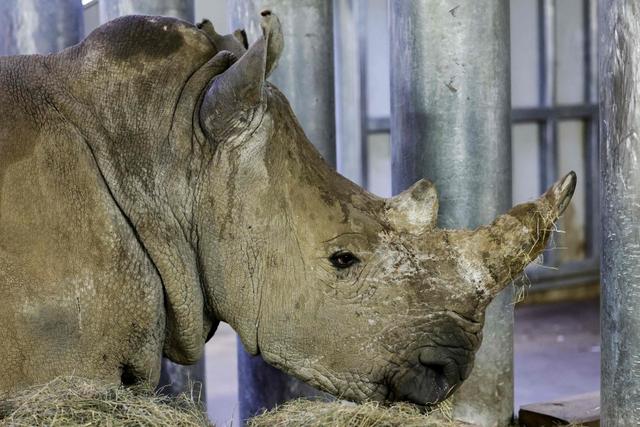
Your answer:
<point x="425" y="384"/>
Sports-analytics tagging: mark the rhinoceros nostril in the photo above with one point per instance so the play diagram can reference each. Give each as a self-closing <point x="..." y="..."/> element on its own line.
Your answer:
<point x="443" y="371"/>
<point x="437" y="375"/>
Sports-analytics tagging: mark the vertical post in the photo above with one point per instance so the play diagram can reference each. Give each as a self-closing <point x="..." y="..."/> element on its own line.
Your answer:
<point x="350" y="87"/>
<point x="182" y="9"/>
<point x="305" y="75"/>
<point x="174" y="378"/>
<point x="620" y="201"/>
<point x="450" y="123"/>
<point x="39" y="26"/>
<point x="305" y="70"/>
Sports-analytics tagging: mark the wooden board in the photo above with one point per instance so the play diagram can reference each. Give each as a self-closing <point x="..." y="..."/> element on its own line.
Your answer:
<point x="583" y="410"/>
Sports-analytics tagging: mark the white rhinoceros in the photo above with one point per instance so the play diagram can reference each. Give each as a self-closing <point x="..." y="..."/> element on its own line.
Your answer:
<point x="153" y="184"/>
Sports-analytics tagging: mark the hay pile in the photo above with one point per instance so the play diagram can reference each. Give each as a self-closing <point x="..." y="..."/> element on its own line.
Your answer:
<point x="73" y="401"/>
<point x="70" y="401"/>
<point x="308" y="413"/>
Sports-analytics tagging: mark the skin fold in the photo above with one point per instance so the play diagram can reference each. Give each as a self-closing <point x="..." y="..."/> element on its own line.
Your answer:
<point x="153" y="184"/>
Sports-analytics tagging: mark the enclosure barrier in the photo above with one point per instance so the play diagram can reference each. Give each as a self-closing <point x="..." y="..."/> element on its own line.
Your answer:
<point x="350" y="23"/>
<point x="39" y="26"/>
<point x="111" y="9"/>
<point x="174" y="378"/>
<point x="305" y="74"/>
<point x="619" y="28"/>
<point x="450" y="123"/>
<point x="305" y="71"/>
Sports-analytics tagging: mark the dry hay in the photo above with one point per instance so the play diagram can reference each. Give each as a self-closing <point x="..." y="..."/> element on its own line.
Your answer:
<point x="521" y="282"/>
<point x="309" y="413"/>
<point x="71" y="401"/>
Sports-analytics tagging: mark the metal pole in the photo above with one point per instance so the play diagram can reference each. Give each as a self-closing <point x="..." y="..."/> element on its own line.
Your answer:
<point x="305" y="71"/>
<point x="350" y="23"/>
<point x="39" y="26"/>
<point x="111" y="9"/>
<point x="450" y="108"/>
<point x="262" y="387"/>
<point x="174" y="378"/>
<point x="620" y="201"/>
<point x="305" y="75"/>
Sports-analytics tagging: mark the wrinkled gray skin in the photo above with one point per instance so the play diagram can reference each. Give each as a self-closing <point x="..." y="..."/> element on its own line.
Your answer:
<point x="152" y="184"/>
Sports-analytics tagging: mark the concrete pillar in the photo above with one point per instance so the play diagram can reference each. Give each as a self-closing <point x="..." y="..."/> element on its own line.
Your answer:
<point x="39" y="26"/>
<point x="174" y="378"/>
<point x="450" y="123"/>
<point x="111" y="9"/>
<point x="305" y="75"/>
<point x="620" y="201"/>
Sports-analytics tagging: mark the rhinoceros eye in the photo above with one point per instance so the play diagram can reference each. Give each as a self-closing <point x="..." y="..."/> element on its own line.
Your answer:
<point x="343" y="259"/>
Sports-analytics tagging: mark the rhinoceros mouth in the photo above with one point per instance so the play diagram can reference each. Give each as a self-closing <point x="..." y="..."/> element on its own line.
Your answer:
<point x="435" y="373"/>
<point x="423" y="385"/>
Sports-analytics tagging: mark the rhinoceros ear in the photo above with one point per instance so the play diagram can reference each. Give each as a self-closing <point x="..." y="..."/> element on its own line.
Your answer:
<point x="234" y="95"/>
<point x="276" y="40"/>
<point x="235" y="43"/>
<point x="415" y="210"/>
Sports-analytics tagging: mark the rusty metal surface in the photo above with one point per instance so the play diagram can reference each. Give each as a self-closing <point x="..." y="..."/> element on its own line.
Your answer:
<point x="450" y="101"/>
<point x="620" y="201"/>
<point x="39" y="26"/>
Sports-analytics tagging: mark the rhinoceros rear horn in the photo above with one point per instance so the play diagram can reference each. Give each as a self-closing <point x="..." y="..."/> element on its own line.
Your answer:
<point x="240" y="87"/>
<point x="415" y="210"/>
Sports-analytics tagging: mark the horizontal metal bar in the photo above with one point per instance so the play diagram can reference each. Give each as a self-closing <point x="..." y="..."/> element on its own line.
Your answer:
<point x="378" y="125"/>
<point x="569" y="274"/>
<point x="518" y="115"/>
<point x="564" y="112"/>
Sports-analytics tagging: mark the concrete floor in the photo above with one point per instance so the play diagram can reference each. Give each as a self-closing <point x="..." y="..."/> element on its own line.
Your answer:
<point x="557" y="353"/>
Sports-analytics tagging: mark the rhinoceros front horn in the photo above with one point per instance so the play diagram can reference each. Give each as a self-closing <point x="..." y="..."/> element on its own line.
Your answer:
<point x="518" y="237"/>
<point x="240" y="87"/>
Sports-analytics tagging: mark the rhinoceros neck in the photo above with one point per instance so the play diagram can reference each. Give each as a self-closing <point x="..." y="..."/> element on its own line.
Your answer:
<point x="131" y="89"/>
<point x="250" y="220"/>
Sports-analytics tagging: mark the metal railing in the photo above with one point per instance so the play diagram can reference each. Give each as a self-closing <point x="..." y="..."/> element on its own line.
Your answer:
<point x="547" y="115"/>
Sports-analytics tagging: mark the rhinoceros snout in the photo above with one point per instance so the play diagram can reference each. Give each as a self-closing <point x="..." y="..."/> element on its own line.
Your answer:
<point x="433" y="377"/>
<point x="426" y="384"/>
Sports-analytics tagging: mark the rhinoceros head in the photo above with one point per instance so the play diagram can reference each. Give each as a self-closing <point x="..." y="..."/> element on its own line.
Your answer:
<point x="361" y="296"/>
